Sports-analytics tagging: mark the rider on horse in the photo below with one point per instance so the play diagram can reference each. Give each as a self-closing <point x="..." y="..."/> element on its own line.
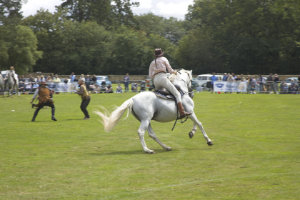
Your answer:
<point x="158" y="72"/>
<point x="12" y="73"/>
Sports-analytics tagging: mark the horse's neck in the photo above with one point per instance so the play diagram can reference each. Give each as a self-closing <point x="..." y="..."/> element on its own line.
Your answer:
<point x="10" y="76"/>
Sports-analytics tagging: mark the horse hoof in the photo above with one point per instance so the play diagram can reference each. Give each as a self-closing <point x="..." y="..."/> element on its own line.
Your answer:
<point x="210" y="143"/>
<point x="191" y="134"/>
<point x="150" y="152"/>
<point x="169" y="149"/>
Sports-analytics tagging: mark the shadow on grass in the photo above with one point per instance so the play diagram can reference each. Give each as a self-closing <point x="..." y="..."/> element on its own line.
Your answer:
<point x="131" y="152"/>
<point x="58" y="120"/>
<point x="80" y="119"/>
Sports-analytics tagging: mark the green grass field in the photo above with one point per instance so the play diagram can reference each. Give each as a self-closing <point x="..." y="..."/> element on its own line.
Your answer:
<point x="256" y="151"/>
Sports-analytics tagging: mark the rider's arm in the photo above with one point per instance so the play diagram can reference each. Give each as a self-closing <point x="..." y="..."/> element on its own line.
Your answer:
<point x="169" y="68"/>
<point x="34" y="95"/>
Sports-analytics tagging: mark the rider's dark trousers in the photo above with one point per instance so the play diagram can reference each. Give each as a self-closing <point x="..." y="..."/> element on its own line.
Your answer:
<point x="84" y="103"/>
<point x="41" y="105"/>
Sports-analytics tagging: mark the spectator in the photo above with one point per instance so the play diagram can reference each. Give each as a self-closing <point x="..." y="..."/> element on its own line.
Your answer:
<point x="275" y="84"/>
<point x="143" y="86"/>
<point x="31" y="79"/>
<point x="252" y="85"/>
<point x="293" y="88"/>
<point x="94" y="79"/>
<point x="56" y="79"/>
<point x="230" y="84"/>
<point x="72" y="77"/>
<point x="38" y="79"/>
<point x="261" y="82"/>
<point x="21" y="84"/>
<point x="134" y="87"/>
<point x="270" y="83"/>
<point x="225" y="77"/>
<point x="119" y="89"/>
<point x="82" y="77"/>
<point x="284" y="88"/>
<point x="88" y="82"/>
<point x="103" y="87"/>
<point x="234" y="76"/>
<point x="213" y="79"/>
<point x="42" y="79"/>
<point x="126" y="82"/>
<point x="109" y="89"/>
<point x="49" y="79"/>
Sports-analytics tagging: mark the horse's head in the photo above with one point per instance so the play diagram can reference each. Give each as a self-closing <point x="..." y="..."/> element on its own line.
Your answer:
<point x="184" y="80"/>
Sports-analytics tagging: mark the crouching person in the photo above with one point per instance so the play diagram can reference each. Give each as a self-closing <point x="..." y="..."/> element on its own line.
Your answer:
<point x="45" y="99"/>
<point x="85" y="97"/>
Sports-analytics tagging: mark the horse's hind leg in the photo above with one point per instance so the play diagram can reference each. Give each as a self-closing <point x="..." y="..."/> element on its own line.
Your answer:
<point x="153" y="136"/>
<point x="142" y="129"/>
<point x="193" y="131"/>
<point x="196" y="121"/>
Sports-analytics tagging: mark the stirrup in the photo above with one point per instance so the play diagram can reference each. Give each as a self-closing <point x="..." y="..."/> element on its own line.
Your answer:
<point x="186" y="114"/>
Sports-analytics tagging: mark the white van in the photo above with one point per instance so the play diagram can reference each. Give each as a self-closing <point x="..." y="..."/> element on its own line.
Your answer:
<point x="202" y="81"/>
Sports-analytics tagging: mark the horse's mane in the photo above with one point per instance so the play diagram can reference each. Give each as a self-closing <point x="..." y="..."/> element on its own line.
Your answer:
<point x="173" y="77"/>
<point x="189" y="72"/>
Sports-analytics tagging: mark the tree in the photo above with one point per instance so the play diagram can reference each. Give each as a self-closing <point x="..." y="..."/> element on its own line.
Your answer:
<point x="129" y="53"/>
<point x="104" y="12"/>
<point x="69" y="46"/>
<point x="250" y="36"/>
<point x="171" y="28"/>
<point x="18" y="48"/>
<point x="10" y="13"/>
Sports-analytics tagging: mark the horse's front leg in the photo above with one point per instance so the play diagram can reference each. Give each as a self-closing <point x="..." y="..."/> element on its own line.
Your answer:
<point x="141" y="131"/>
<point x="196" y="121"/>
<point x="153" y="136"/>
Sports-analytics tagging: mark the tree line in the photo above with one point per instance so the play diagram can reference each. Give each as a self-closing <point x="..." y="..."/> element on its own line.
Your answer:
<point x="105" y="37"/>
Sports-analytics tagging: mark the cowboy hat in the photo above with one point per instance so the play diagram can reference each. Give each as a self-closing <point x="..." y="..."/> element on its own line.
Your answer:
<point x="158" y="52"/>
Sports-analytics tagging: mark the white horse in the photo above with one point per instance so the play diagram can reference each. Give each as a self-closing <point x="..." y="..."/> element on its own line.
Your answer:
<point x="12" y="84"/>
<point x="146" y="106"/>
<point x="2" y="84"/>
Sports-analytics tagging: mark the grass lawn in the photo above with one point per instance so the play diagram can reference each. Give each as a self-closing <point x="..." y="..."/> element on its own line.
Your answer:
<point x="256" y="151"/>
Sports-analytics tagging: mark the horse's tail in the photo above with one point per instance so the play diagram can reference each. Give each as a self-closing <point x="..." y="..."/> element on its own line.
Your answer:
<point x="109" y="121"/>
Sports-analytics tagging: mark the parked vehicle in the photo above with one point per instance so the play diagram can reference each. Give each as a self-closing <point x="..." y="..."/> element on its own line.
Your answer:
<point x="290" y="80"/>
<point x="101" y="79"/>
<point x="202" y="81"/>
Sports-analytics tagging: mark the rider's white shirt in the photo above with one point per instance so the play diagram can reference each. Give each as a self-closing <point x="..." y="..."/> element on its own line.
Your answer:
<point x="160" y="64"/>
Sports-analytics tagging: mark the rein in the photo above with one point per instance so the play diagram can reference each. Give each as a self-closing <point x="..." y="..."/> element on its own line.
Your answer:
<point x="190" y="93"/>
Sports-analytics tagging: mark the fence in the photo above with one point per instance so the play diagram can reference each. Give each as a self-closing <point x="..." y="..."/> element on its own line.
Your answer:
<point x="218" y="87"/>
<point x="30" y="87"/>
<point x="61" y="87"/>
<point x="257" y="87"/>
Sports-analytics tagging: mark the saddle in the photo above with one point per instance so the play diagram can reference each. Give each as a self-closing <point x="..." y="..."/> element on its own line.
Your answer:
<point x="165" y="94"/>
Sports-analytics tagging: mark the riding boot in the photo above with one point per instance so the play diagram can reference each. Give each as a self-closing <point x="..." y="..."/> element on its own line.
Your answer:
<point x="53" y="112"/>
<point x="35" y="114"/>
<point x="182" y="113"/>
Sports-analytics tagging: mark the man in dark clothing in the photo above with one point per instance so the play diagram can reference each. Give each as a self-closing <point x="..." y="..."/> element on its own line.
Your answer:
<point x="85" y="98"/>
<point x="44" y="96"/>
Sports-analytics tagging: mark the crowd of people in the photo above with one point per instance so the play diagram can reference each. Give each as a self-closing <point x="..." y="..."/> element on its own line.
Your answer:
<point x="69" y="84"/>
<point x="260" y="84"/>
<point x="255" y="84"/>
